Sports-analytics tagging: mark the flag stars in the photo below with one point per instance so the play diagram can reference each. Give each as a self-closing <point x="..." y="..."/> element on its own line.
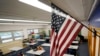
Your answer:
<point x="57" y="21"/>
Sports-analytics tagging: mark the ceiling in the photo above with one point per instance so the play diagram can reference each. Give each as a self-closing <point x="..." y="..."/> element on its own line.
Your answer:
<point x="16" y="10"/>
<point x="79" y="9"/>
<point x="13" y="9"/>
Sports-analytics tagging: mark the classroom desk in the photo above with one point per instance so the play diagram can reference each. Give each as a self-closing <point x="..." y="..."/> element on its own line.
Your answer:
<point x="76" y="42"/>
<point x="38" y="52"/>
<point x="73" y="47"/>
<point x="30" y="43"/>
<point x="40" y="39"/>
<point x="15" y="48"/>
<point x="45" y="44"/>
<point x="68" y="55"/>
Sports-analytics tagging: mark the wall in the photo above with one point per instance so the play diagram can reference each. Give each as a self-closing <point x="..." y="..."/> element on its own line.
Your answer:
<point x="47" y="28"/>
<point x="19" y="27"/>
<point x="5" y="47"/>
<point x="84" y="32"/>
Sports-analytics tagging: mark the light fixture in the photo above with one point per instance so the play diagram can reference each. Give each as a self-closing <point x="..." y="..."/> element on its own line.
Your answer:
<point x="21" y="24"/>
<point x="37" y="4"/>
<point x="24" y="21"/>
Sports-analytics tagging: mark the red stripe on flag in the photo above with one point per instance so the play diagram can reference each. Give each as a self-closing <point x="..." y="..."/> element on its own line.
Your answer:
<point x="65" y="38"/>
<point x="52" y="32"/>
<point x="53" y="43"/>
<point x="74" y="36"/>
<point x="64" y="28"/>
<point x="62" y="32"/>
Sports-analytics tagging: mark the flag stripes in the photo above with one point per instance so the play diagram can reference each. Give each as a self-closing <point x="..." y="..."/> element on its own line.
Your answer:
<point x="64" y="37"/>
<point x="64" y="31"/>
<point x="66" y="23"/>
<point x="53" y="38"/>
<point x="68" y="37"/>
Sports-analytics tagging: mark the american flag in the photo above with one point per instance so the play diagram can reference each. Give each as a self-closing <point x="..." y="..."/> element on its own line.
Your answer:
<point x="64" y="31"/>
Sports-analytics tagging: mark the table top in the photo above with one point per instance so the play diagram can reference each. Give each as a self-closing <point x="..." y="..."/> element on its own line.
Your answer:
<point x="68" y="55"/>
<point x="40" y="39"/>
<point x="38" y="52"/>
<point x="46" y="44"/>
<point x="75" y="42"/>
<point x="30" y="43"/>
<point x="73" y="47"/>
<point x="15" y="48"/>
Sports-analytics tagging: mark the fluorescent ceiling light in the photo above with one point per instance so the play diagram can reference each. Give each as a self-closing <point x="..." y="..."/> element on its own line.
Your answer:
<point x="20" y="24"/>
<point x="24" y="21"/>
<point x="37" y="4"/>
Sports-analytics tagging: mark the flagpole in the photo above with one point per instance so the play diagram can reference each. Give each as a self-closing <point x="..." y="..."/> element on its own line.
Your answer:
<point x="75" y="19"/>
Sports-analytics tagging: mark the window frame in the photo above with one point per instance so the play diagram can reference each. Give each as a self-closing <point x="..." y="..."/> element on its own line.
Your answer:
<point x="13" y="37"/>
<point x="17" y="37"/>
<point x="6" y="38"/>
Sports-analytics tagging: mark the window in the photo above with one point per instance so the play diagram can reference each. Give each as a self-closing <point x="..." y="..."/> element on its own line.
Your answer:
<point x="10" y="36"/>
<point x="6" y="36"/>
<point x="18" y="35"/>
<point x="36" y="31"/>
<point x="30" y="31"/>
